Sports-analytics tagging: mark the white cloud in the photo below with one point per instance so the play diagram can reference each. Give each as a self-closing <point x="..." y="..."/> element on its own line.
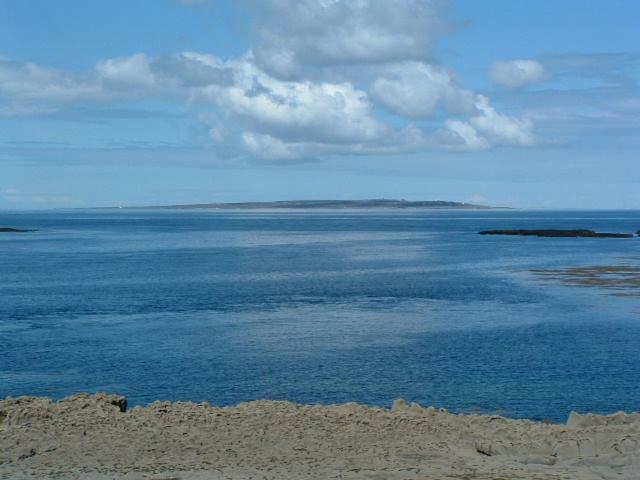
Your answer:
<point x="415" y="89"/>
<point x="318" y="76"/>
<point x="300" y="111"/>
<point x="271" y="148"/>
<point x="488" y="128"/>
<point x="110" y="78"/>
<point x="31" y="81"/>
<point x="517" y="73"/>
<point x="264" y="146"/>
<point x="281" y="119"/>
<point x="313" y="83"/>
<point x="290" y="111"/>
<point x="27" y="88"/>
<point x="132" y="71"/>
<point x="295" y="34"/>
<point x="501" y="129"/>
<point x="464" y="135"/>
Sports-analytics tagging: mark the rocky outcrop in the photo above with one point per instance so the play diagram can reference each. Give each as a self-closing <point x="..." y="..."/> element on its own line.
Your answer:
<point x="14" y="230"/>
<point x="95" y="436"/>
<point x="588" y="420"/>
<point x="557" y="233"/>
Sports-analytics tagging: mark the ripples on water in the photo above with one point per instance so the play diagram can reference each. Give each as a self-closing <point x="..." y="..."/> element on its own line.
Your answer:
<point x="319" y="307"/>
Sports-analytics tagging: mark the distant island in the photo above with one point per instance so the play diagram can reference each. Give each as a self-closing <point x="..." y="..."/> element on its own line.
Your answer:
<point x="320" y="204"/>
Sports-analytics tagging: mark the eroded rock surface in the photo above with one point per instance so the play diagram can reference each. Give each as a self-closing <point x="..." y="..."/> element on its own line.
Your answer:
<point x="96" y="437"/>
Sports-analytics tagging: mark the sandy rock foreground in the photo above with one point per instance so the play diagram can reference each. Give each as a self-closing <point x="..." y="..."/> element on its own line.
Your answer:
<point x="95" y="437"/>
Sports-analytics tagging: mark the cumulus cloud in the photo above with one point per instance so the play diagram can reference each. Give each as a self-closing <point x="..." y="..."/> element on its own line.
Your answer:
<point x="415" y="89"/>
<point x="315" y="82"/>
<point x="297" y="110"/>
<point x="294" y="35"/>
<point x="488" y="128"/>
<point x="517" y="73"/>
<point x="502" y="129"/>
<point x="464" y="135"/>
<point x="267" y="147"/>
<point x="277" y="110"/>
<point x="279" y="118"/>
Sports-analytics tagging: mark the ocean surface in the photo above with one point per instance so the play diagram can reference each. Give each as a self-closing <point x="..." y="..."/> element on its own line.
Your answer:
<point x="319" y="306"/>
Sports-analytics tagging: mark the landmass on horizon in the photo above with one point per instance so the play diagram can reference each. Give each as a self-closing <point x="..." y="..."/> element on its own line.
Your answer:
<point x="319" y="204"/>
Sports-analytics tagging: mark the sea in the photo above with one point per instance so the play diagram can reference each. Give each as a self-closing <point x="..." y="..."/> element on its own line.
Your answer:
<point x="320" y="306"/>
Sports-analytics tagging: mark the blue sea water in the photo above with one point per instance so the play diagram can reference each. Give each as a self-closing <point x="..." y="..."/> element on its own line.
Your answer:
<point x="318" y="306"/>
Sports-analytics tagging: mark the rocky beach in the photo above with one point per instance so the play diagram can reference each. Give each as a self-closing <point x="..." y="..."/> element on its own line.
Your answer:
<point x="97" y="437"/>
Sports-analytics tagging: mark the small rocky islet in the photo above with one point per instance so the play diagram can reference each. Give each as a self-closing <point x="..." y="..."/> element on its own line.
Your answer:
<point x="555" y="233"/>
<point x="14" y="230"/>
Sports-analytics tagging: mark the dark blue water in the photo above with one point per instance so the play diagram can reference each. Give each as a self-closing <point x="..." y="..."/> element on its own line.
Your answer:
<point x="318" y="307"/>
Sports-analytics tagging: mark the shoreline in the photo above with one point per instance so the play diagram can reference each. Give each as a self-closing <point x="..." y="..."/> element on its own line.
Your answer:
<point x="98" y="437"/>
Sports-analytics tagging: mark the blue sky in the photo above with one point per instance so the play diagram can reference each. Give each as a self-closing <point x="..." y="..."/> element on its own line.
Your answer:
<point x="532" y="105"/>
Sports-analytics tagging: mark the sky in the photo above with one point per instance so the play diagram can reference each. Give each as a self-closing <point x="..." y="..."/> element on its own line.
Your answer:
<point x="150" y="102"/>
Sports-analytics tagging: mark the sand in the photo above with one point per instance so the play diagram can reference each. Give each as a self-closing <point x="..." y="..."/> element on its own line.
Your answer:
<point x="93" y="437"/>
